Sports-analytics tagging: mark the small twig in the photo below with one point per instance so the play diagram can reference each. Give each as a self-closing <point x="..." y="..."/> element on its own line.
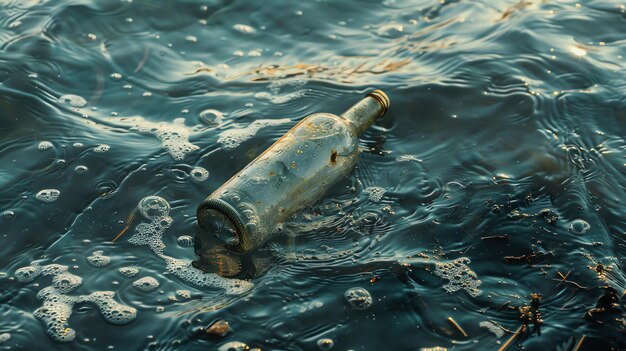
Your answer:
<point x="563" y="277"/>
<point x="129" y="221"/>
<point x="573" y="283"/>
<point x="510" y="341"/>
<point x="457" y="326"/>
<point x="580" y="342"/>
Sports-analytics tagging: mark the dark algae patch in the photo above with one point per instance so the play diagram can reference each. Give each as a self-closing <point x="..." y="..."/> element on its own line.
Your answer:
<point x="485" y="212"/>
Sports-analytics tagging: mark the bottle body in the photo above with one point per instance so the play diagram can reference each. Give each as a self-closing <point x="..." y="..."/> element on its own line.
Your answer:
<point x="291" y="174"/>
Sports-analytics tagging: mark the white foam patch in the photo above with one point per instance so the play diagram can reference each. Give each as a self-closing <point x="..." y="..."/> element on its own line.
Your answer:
<point x="4" y="337"/>
<point x="233" y="346"/>
<point x="151" y="234"/>
<point x="407" y="158"/>
<point x="493" y="328"/>
<point x="146" y="284"/>
<point x="48" y="195"/>
<point x="199" y="175"/>
<point x="98" y="259"/>
<point x="73" y="100"/>
<point x="277" y="96"/>
<point x="244" y="28"/>
<point x="174" y="136"/>
<point x="45" y="145"/>
<point x="375" y="193"/>
<point x="129" y="272"/>
<point x="459" y="276"/>
<point x="232" y="138"/>
<point x="57" y="306"/>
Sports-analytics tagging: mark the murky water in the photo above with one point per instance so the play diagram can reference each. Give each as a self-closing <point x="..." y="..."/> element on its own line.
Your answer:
<point x="498" y="173"/>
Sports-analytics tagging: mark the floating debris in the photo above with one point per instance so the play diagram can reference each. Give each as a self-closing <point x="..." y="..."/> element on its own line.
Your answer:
<point x="218" y="328"/>
<point x="493" y="328"/>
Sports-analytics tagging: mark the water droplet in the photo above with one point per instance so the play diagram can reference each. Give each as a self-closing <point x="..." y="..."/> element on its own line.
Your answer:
<point x="8" y="214"/>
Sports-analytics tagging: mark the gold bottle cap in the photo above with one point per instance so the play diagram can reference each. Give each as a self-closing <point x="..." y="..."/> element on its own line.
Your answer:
<point x="382" y="98"/>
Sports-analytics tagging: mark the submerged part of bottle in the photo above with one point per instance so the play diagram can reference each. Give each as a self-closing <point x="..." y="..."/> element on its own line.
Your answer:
<point x="291" y="174"/>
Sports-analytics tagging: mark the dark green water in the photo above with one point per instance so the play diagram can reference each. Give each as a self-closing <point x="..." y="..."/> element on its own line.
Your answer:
<point x="506" y="130"/>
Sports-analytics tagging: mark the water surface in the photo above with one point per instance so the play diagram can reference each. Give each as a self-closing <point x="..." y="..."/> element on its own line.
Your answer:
<point x="506" y="131"/>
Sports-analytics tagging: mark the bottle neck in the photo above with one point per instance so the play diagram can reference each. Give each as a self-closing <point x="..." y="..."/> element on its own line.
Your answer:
<point x="365" y="112"/>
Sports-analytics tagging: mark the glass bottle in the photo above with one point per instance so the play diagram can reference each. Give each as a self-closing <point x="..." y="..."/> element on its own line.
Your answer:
<point x="291" y="174"/>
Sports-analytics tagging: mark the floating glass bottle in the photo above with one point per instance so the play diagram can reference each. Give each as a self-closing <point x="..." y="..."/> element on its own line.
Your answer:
<point x="291" y="174"/>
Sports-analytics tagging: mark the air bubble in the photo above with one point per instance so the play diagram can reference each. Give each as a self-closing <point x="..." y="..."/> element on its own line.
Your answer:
<point x="81" y="169"/>
<point x="358" y="298"/>
<point x="48" y="195"/>
<point x="116" y="76"/>
<point x="146" y="284"/>
<point x="98" y="259"/>
<point x="211" y="117"/>
<point x="579" y="226"/>
<point x="73" y="100"/>
<point x="153" y="207"/>
<point x="199" y="174"/>
<point x="8" y="214"/>
<point x="45" y="145"/>
<point x="78" y="145"/>
<point x="185" y="241"/>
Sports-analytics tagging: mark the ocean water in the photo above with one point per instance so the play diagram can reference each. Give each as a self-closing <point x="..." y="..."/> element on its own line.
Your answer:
<point x="498" y="173"/>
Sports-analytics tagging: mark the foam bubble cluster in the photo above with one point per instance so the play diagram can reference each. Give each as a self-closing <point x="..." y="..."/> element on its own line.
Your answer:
<point x="129" y="272"/>
<point x="98" y="259"/>
<point x="459" y="276"/>
<point x="44" y="145"/>
<point x="492" y="327"/>
<point x="375" y="193"/>
<point x="174" y="136"/>
<point x="73" y="100"/>
<point x="102" y="148"/>
<point x="48" y="195"/>
<point x="156" y="209"/>
<point x="57" y="306"/>
<point x="146" y="284"/>
<point x="199" y="174"/>
<point x="232" y="138"/>
<point x="358" y="298"/>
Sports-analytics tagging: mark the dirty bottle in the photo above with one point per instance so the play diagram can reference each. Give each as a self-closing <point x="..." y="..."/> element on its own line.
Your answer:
<point x="291" y="174"/>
